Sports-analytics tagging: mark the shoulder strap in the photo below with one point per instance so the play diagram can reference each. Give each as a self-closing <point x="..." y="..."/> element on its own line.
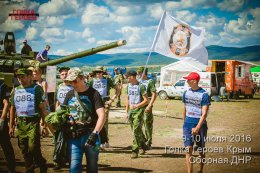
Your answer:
<point x="89" y="119"/>
<point x="81" y="104"/>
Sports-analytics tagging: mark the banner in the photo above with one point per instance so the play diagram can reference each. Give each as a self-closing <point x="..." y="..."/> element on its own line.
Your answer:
<point x="51" y="72"/>
<point x="176" y="39"/>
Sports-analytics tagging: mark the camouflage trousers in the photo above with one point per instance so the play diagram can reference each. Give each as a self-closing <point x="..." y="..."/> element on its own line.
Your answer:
<point x="148" y="127"/>
<point x="107" y="109"/>
<point x="28" y="133"/>
<point x="118" y="97"/>
<point x="136" y="122"/>
<point x="7" y="147"/>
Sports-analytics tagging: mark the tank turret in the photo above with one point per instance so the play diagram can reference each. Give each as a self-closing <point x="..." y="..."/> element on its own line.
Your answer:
<point x="10" y="60"/>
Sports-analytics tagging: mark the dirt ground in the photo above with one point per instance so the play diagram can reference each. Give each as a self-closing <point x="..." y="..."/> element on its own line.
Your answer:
<point x="225" y="121"/>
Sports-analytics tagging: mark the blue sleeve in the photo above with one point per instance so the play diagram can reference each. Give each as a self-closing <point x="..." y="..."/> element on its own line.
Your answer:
<point x="44" y="53"/>
<point x="205" y="100"/>
<point x="183" y="96"/>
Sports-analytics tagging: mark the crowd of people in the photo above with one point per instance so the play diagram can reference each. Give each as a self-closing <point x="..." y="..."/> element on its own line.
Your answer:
<point x="86" y="102"/>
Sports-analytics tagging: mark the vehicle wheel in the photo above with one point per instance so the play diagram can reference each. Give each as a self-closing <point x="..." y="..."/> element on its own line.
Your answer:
<point x="251" y="96"/>
<point x="236" y="95"/>
<point x="231" y="95"/>
<point x="163" y="95"/>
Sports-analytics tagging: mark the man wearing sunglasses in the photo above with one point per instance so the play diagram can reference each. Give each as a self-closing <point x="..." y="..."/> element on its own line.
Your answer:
<point x="87" y="119"/>
<point x="196" y="104"/>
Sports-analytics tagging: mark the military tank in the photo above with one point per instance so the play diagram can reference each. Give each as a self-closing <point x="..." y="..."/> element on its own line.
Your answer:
<point x="10" y="60"/>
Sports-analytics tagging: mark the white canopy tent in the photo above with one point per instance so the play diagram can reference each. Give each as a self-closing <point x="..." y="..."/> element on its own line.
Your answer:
<point x="175" y="71"/>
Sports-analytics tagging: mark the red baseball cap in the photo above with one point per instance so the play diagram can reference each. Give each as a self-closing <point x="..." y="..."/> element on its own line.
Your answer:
<point x="192" y="76"/>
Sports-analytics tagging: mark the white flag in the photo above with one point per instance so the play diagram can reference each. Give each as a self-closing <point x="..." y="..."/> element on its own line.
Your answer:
<point x="176" y="39"/>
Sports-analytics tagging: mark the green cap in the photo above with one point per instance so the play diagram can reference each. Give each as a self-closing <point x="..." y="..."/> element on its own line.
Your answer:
<point x="64" y="68"/>
<point x="99" y="68"/>
<point x="141" y="70"/>
<point x="23" y="71"/>
<point x="73" y="73"/>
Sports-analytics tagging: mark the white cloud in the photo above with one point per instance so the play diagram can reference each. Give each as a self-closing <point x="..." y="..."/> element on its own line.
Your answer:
<point x="59" y="7"/>
<point x="135" y="35"/>
<point x="62" y="52"/>
<point x="211" y="23"/>
<point x="172" y="5"/>
<point x="185" y="15"/>
<point x="31" y="33"/>
<point x="228" y="38"/>
<point x="155" y="10"/>
<point x="11" y="25"/>
<point x="123" y="10"/>
<point x="126" y="50"/>
<point x="102" y="42"/>
<point x="94" y="14"/>
<point x="54" y="20"/>
<point x="59" y="35"/>
<point x="231" y="5"/>
<point x="91" y="40"/>
<point x="71" y="35"/>
<point x="242" y="31"/>
<point x="132" y="34"/>
<point x="86" y="33"/>
<point x="51" y="32"/>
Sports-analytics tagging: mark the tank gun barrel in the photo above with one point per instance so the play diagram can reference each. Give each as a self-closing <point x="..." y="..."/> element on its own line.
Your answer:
<point x="84" y="53"/>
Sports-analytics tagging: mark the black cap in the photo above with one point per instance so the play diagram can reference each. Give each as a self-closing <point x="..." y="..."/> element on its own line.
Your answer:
<point x="64" y="68"/>
<point x="131" y="73"/>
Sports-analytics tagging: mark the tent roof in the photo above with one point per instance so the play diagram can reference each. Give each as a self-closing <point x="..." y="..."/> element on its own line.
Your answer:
<point x="255" y="69"/>
<point x="186" y="65"/>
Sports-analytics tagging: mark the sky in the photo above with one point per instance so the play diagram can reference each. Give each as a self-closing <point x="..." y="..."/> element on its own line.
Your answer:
<point x="69" y="26"/>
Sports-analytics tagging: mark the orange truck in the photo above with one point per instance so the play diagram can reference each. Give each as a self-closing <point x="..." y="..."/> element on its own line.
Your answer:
<point x="235" y="75"/>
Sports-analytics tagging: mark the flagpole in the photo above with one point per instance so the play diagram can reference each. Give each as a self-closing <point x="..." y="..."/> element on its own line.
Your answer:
<point x="155" y="37"/>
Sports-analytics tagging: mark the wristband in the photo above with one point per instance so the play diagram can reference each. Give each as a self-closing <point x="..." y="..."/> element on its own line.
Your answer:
<point x="96" y="132"/>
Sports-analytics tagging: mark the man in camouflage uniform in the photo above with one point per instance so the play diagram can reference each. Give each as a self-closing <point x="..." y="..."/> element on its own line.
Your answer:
<point x="118" y="81"/>
<point x="135" y="106"/>
<point x="103" y="83"/>
<point x="63" y="88"/>
<point x="28" y="101"/>
<point x="62" y="91"/>
<point x="148" y="114"/>
<point x="4" y="134"/>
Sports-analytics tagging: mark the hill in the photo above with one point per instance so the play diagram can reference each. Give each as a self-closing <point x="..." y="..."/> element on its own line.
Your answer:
<point x="250" y="53"/>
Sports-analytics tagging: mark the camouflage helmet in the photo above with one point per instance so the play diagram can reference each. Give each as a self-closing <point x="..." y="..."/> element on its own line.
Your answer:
<point x="98" y="69"/>
<point x="73" y="73"/>
<point x="23" y="71"/>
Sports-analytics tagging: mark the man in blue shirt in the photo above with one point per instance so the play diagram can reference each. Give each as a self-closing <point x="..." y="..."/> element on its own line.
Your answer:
<point x="42" y="56"/>
<point x="196" y="107"/>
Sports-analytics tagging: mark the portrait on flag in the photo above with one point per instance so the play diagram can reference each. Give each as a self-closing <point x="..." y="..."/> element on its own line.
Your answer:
<point x="176" y="39"/>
